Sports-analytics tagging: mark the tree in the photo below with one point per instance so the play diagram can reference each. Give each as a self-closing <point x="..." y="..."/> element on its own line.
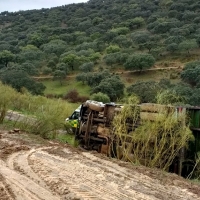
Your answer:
<point x="30" y="53"/>
<point x="172" y="47"/>
<point x="82" y="77"/>
<point x="89" y="45"/>
<point x="94" y="79"/>
<point x="67" y="38"/>
<point x="97" y="20"/>
<point x="194" y="99"/>
<point x="112" y="49"/>
<point x="81" y="39"/>
<point x="19" y="79"/>
<point x="29" y="68"/>
<point x="144" y="39"/>
<point x="191" y="96"/>
<point x="46" y="70"/>
<point x="111" y="58"/>
<point x="6" y="57"/>
<point x="85" y="53"/>
<point x="157" y="52"/>
<point x="146" y="91"/>
<point x="148" y="45"/>
<point x="83" y="26"/>
<point x="163" y="26"/>
<point x="70" y="60"/>
<point x="184" y="91"/>
<point x="6" y="46"/>
<point x="59" y="75"/>
<point x="100" y="97"/>
<point x="198" y="40"/>
<point x="95" y="57"/>
<point x="191" y="73"/>
<point x="63" y="67"/>
<point x="177" y="39"/>
<point x="139" y="62"/>
<point x="188" y="45"/>
<point x="189" y="16"/>
<point x="169" y="97"/>
<point x="123" y="57"/>
<point x="112" y="86"/>
<point x="87" y="67"/>
<point x="37" y="39"/>
<point x="51" y="64"/>
<point x="184" y="32"/>
<point x="122" y="41"/>
<point x="121" y="30"/>
<point x="54" y="46"/>
<point x="140" y="37"/>
<point x="137" y="22"/>
<point x="109" y="36"/>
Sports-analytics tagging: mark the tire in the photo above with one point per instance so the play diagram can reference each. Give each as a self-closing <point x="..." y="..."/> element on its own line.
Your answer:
<point x="95" y="107"/>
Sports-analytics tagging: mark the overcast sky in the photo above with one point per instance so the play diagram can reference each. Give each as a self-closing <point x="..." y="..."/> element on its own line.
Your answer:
<point x="16" y="5"/>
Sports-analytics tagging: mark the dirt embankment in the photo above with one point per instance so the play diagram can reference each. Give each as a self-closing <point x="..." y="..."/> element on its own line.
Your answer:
<point x="33" y="169"/>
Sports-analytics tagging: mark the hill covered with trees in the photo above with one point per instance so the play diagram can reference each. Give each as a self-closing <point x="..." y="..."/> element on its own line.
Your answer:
<point x="97" y="38"/>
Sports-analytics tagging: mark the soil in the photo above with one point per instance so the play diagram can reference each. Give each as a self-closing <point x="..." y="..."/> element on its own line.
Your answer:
<point x="35" y="169"/>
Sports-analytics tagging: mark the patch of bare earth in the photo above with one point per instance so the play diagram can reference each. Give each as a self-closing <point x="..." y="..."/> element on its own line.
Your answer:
<point x="36" y="170"/>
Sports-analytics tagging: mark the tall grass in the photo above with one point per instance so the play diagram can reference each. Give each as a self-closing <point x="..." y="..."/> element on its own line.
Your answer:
<point x="6" y="100"/>
<point x="40" y="115"/>
<point x="155" y="142"/>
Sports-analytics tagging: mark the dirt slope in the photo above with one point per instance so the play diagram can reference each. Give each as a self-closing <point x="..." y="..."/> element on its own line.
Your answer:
<point x="33" y="169"/>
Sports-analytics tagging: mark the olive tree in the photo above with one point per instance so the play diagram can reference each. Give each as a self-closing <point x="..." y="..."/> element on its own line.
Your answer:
<point x="139" y="62"/>
<point x="112" y="86"/>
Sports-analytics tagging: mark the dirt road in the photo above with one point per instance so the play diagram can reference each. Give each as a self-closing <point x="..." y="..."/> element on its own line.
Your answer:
<point x="156" y="68"/>
<point x="31" y="168"/>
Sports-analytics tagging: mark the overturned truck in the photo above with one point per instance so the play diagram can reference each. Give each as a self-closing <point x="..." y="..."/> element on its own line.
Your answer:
<point x="95" y="128"/>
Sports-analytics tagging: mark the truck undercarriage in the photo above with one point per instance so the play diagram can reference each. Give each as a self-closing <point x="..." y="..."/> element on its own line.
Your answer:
<point x="96" y="131"/>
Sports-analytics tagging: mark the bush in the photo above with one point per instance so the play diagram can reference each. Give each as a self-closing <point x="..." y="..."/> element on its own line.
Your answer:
<point x="74" y="97"/>
<point x="46" y="71"/>
<point x="101" y="97"/>
<point x="82" y="99"/>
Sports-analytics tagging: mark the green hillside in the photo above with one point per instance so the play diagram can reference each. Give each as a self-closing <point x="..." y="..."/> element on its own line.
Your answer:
<point x="96" y="44"/>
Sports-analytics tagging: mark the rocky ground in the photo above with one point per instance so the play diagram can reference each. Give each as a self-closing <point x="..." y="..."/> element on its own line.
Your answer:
<point x="32" y="168"/>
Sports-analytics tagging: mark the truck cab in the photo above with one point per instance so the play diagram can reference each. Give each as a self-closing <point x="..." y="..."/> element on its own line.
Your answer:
<point x="72" y="123"/>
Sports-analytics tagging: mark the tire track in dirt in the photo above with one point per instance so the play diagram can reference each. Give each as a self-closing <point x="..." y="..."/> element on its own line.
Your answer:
<point x="60" y="172"/>
<point x="24" y="187"/>
<point x="5" y="192"/>
<point x="83" y="180"/>
<point x="142" y="181"/>
<point x="19" y="162"/>
<point x="87" y="178"/>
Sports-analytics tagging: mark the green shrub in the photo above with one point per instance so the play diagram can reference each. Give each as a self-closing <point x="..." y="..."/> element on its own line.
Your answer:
<point x="46" y="71"/>
<point x="101" y="97"/>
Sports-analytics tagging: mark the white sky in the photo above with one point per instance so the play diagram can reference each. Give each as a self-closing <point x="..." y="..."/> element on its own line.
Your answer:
<point x="16" y="5"/>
